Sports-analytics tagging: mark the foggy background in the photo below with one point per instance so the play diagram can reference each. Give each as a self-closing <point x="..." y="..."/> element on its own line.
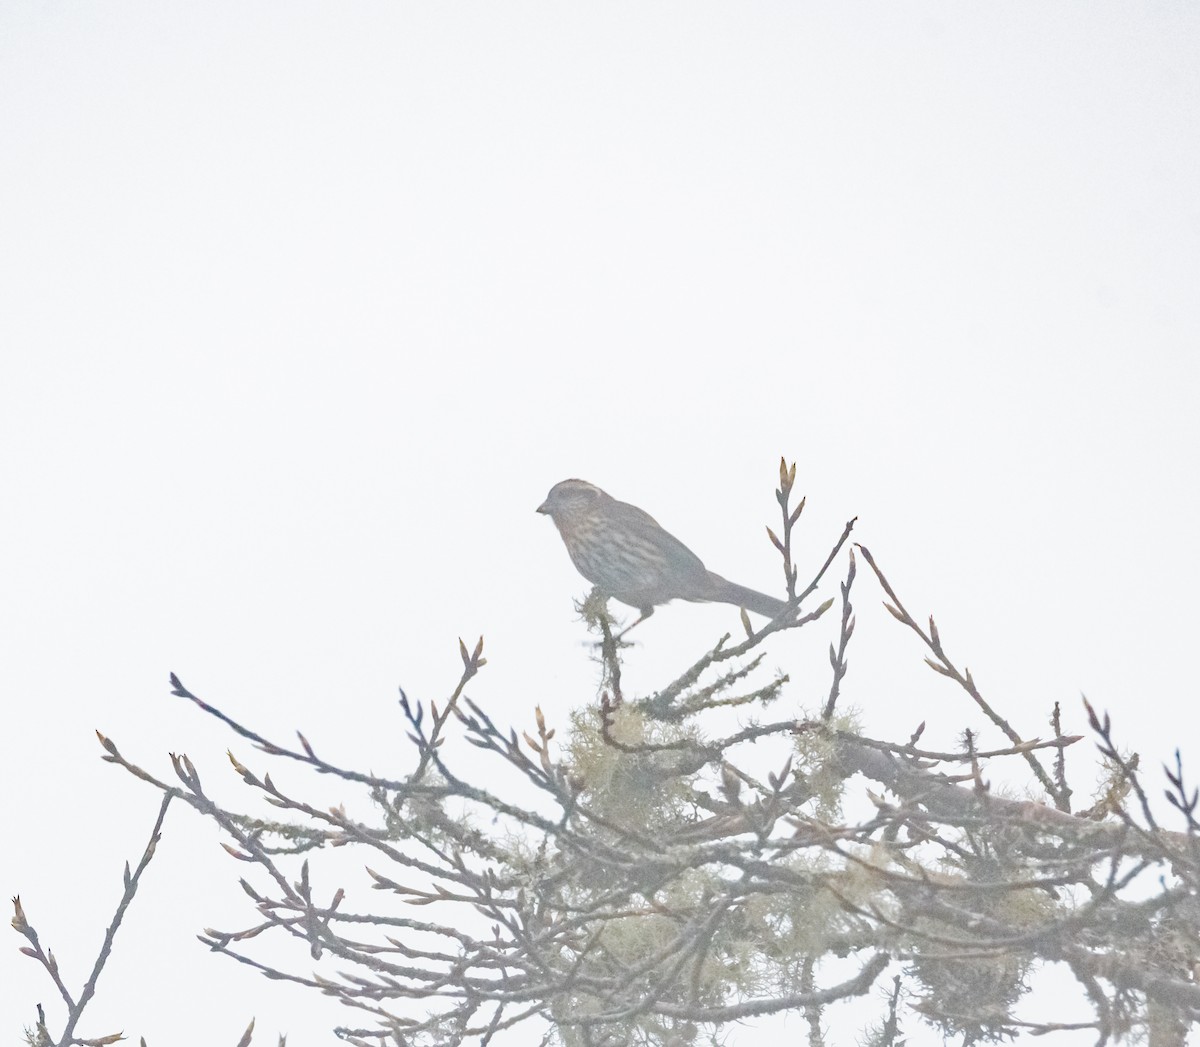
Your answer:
<point x="305" y="306"/>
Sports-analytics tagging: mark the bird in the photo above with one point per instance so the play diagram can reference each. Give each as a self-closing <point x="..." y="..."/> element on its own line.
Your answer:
<point x="628" y="555"/>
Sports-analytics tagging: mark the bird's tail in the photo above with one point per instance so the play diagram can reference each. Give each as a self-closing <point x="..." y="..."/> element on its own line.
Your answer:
<point x="724" y="591"/>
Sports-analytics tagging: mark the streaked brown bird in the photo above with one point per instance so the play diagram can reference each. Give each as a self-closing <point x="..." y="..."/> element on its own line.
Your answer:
<point x="626" y="554"/>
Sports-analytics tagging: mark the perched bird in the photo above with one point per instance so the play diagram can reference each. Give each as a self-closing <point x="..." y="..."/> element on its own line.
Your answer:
<point x="628" y="556"/>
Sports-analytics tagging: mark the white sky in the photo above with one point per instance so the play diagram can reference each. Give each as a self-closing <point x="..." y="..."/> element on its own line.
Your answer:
<point x="304" y="306"/>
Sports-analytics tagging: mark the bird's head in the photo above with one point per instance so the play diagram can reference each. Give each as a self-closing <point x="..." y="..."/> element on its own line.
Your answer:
<point x="570" y="498"/>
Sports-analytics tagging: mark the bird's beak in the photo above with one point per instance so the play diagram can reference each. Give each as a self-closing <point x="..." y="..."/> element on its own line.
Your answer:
<point x="544" y="507"/>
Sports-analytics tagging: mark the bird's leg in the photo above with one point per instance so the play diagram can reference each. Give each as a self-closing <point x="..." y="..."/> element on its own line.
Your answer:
<point x="594" y="609"/>
<point x="646" y="613"/>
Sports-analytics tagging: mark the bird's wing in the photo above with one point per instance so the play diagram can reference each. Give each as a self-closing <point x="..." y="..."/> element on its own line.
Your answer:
<point x="641" y="522"/>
